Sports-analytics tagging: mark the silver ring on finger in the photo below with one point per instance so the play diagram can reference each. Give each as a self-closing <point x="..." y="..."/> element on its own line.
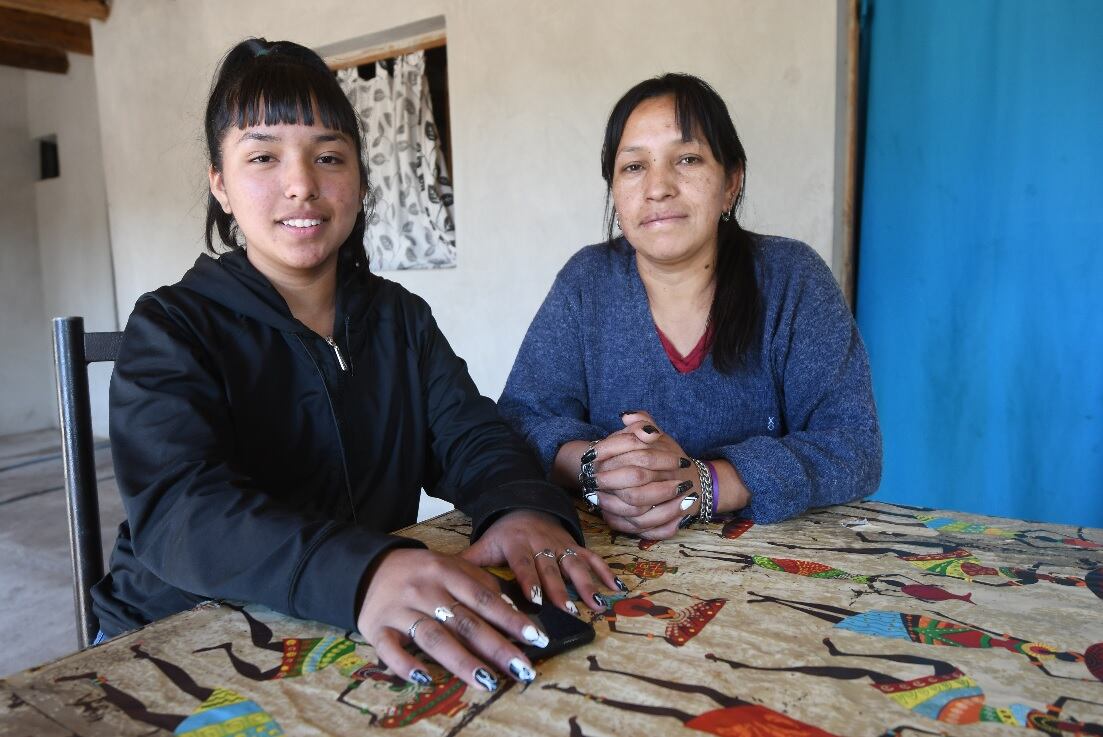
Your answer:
<point x="412" y="631"/>
<point x="567" y="552"/>
<point x="442" y="614"/>
<point x="545" y="553"/>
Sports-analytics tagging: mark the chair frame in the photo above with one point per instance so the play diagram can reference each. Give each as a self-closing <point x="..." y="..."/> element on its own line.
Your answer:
<point x="74" y="349"/>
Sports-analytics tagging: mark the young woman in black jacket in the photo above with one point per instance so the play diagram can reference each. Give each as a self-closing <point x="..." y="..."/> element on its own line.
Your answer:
<point x="277" y="412"/>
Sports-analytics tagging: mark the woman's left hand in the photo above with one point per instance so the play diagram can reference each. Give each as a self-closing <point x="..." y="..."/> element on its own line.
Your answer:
<point x="535" y="546"/>
<point x="650" y="488"/>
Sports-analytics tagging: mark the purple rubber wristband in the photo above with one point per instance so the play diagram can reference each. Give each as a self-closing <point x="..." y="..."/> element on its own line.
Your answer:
<point x="715" y="494"/>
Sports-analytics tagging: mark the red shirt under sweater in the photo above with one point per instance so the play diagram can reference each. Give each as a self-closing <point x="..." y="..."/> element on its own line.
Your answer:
<point x="691" y="361"/>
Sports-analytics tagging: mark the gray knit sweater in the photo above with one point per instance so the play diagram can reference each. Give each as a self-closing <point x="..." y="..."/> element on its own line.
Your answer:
<point x="798" y="422"/>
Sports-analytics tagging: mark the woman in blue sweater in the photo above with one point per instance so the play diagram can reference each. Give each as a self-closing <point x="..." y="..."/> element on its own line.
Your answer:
<point x="687" y="367"/>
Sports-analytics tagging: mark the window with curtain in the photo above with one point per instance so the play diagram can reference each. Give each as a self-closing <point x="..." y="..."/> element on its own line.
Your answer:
<point x="410" y="223"/>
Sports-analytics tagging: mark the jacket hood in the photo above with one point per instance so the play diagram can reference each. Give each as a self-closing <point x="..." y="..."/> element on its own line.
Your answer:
<point x="232" y="281"/>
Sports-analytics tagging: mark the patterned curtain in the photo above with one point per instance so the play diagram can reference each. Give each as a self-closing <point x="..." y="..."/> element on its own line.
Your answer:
<point x="410" y="204"/>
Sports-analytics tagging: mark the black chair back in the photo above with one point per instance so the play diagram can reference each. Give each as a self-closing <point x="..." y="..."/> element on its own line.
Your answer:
<point x="74" y="349"/>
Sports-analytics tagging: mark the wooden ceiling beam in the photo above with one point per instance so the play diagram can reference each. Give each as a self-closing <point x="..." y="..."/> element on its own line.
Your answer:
<point x="40" y="30"/>
<point x="38" y="58"/>
<point x="81" y="11"/>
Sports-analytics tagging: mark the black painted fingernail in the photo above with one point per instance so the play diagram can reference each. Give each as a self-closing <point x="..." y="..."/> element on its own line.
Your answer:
<point x="685" y="521"/>
<point x="685" y="486"/>
<point x="629" y="412"/>
<point x="420" y="677"/>
<point x="620" y="585"/>
<point x="589" y="456"/>
<point x="650" y="429"/>
<point x="683" y="463"/>
<point x="484" y="679"/>
<point x="601" y="601"/>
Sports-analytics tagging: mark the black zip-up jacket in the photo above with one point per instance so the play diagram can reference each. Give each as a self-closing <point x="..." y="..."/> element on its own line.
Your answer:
<point x="258" y="461"/>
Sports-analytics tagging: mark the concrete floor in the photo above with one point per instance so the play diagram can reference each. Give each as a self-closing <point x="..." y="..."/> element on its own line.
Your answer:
<point x="37" y="614"/>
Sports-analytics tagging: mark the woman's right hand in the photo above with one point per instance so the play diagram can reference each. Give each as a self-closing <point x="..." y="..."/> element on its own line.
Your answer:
<point x="461" y="617"/>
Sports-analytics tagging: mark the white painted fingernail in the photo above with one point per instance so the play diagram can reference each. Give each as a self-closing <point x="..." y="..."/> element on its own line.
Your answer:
<point x="521" y="671"/>
<point x="534" y="636"/>
<point x="572" y="608"/>
<point x="509" y="601"/>
<point x="688" y="502"/>
<point x="536" y="595"/>
<point x="591" y="497"/>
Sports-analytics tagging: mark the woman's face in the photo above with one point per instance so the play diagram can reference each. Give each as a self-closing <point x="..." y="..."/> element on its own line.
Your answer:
<point x="294" y="191"/>
<point x="668" y="193"/>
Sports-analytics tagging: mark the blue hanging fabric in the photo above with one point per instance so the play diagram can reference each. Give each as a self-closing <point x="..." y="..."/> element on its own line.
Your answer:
<point x="980" y="281"/>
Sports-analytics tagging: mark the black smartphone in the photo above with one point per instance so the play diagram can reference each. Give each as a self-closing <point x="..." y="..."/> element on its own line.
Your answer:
<point x="564" y="631"/>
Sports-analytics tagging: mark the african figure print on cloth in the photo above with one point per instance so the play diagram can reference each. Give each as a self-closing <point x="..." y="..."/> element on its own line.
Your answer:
<point x="735" y="717"/>
<point x="886" y="584"/>
<point x="677" y="624"/>
<point x="927" y="630"/>
<point x="956" y="562"/>
<point x="221" y="713"/>
<point x="946" y="695"/>
<point x="303" y="656"/>
<point x="860" y="620"/>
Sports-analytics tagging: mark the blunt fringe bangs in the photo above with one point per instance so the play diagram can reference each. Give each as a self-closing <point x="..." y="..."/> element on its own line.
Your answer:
<point x="736" y="312"/>
<point x="263" y="82"/>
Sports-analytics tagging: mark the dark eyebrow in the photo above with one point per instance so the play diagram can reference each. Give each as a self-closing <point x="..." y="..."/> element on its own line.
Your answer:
<point x="270" y="138"/>
<point x="254" y="136"/>
<point x="634" y="149"/>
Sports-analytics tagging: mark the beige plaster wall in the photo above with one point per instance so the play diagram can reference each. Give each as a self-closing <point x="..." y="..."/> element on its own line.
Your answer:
<point x="71" y="211"/>
<point x="530" y="87"/>
<point x="26" y="401"/>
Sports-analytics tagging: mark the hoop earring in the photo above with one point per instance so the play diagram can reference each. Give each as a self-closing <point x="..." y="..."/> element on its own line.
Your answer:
<point x="728" y="214"/>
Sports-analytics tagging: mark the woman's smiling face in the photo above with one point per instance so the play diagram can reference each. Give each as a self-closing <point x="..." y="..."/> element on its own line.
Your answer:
<point x="668" y="193"/>
<point x="295" y="192"/>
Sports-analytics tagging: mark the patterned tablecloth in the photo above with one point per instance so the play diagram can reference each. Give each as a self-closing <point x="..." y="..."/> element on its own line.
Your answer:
<point x="865" y="619"/>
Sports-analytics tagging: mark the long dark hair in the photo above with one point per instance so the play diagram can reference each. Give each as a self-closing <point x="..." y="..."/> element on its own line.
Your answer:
<point x="273" y="82"/>
<point x="736" y="310"/>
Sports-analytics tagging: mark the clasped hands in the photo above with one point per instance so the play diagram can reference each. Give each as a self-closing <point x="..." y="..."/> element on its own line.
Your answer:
<point x="646" y="484"/>
<point x="454" y="610"/>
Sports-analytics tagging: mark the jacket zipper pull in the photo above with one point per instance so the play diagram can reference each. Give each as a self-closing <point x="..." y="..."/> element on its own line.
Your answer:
<point x="337" y="351"/>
